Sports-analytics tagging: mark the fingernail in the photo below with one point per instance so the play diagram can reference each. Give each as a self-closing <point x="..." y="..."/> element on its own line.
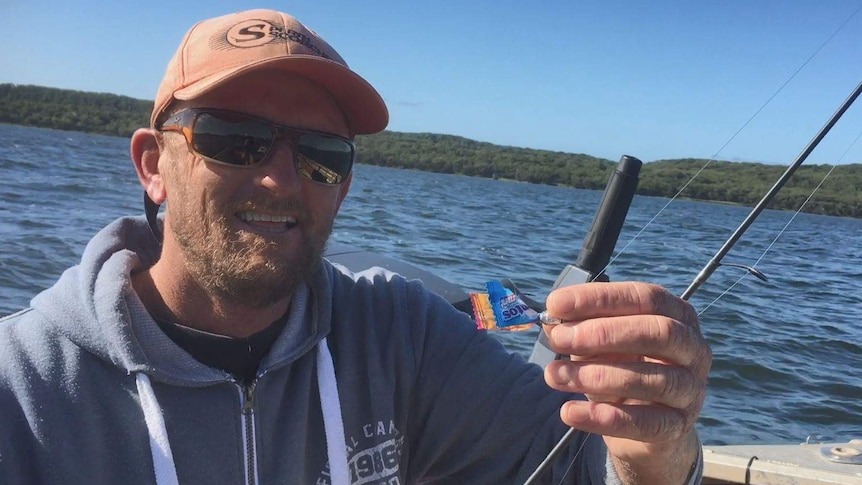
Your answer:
<point x="562" y="334"/>
<point x="575" y="413"/>
<point x="564" y="374"/>
<point x="546" y="319"/>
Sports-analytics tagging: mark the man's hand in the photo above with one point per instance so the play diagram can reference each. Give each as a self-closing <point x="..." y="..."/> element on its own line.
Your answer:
<point x="638" y="355"/>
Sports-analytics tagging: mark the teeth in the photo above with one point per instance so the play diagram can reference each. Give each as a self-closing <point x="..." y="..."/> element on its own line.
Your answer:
<point x="258" y="217"/>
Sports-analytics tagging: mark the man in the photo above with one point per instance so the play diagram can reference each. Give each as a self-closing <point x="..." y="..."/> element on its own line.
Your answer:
<point x="218" y="346"/>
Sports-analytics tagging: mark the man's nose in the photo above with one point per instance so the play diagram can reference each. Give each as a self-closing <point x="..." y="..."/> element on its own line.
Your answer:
<point x="279" y="174"/>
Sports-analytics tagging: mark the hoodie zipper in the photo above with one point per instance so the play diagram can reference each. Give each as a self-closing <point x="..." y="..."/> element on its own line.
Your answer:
<point x="246" y="398"/>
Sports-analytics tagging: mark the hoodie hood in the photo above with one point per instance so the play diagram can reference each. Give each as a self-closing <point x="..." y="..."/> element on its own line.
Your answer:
<point x="94" y="305"/>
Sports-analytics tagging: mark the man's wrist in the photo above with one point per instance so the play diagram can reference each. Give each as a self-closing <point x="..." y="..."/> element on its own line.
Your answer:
<point x="681" y="464"/>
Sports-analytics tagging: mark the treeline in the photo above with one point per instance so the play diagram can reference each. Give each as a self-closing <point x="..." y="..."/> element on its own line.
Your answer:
<point x="64" y="109"/>
<point x="745" y="183"/>
<point x="733" y="182"/>
<point x="455" y="154"/>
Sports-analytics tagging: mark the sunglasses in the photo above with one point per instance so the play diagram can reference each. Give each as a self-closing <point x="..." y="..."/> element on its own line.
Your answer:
<point x="239" y="140"/>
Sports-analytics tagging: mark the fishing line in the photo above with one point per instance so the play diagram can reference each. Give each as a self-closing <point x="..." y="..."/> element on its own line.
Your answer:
<point x="714" y="157"/>
<point x="783" y="229"/>
<point x="569" y="468"/>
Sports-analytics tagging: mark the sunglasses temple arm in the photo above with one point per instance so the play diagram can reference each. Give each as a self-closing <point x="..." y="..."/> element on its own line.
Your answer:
<point x="152" y="211"/>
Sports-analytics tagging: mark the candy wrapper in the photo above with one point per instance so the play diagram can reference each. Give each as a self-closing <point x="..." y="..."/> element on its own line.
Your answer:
<point x="502" y="309"/>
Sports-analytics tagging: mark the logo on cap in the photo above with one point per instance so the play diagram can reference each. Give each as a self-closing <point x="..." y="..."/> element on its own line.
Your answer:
<point x="255" y="33"/>
<point x="250" y="33"/>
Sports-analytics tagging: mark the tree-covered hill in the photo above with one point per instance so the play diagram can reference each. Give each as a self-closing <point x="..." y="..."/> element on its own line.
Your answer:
<point x="63" y="109"/>
<point x="746" y="183"/>
<point x="733" y="182"/>
<point x="455" y="154"/>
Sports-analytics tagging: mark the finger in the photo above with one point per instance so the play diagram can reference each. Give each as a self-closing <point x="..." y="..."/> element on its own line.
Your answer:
<point x="592" y="300"/>
<point x="655" y="336"/>
<point x="606" y="358"/>
<point x="674" y="387"/>
<point x="647" y="423"/>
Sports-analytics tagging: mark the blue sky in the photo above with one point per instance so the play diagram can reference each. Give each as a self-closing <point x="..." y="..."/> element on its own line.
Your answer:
<point x="652" y="79"/>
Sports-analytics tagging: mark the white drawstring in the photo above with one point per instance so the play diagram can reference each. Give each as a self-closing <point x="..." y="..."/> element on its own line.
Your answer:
<point x="336" y="445"/>
<point x="160" y="447"/>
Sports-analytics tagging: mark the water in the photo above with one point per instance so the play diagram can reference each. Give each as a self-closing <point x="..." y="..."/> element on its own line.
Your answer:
<point x="787" y="351"/>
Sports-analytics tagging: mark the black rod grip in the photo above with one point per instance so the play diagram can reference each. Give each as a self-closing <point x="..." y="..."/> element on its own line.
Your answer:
<point x="602" y="237"/>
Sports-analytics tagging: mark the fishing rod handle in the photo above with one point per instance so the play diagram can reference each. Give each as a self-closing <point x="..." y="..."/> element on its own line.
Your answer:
<point x="599" y="243"/>
<point x="602" y="237"/>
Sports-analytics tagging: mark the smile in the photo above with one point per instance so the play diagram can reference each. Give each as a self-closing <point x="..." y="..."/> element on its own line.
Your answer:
<point x="267" y="222"/>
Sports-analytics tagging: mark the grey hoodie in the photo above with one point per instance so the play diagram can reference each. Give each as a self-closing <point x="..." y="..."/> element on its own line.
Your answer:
<point x="91" y="390"/>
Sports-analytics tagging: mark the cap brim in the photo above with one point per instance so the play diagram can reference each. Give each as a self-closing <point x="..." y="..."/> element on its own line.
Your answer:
<point x="362" y="105"/>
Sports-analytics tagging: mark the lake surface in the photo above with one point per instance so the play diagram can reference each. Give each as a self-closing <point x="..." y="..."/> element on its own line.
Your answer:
<point x="788" y="352"/>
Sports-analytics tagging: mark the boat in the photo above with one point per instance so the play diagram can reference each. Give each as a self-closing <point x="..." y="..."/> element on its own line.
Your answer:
<point x="802" y="464"/>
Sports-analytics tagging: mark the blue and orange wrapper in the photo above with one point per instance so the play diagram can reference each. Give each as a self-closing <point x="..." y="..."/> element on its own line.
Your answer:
<point x="502" y="309"/>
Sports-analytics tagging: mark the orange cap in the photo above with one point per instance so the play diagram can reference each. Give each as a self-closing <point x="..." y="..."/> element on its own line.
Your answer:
<point x="217" y="50"/>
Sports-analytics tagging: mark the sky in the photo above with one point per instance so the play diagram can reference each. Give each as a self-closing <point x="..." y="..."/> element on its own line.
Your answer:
<point x="651" y="79"/>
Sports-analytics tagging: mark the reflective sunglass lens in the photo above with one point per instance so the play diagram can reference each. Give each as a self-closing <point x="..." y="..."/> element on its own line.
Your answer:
<point x="233" y="141"/>
<point x="314" y="171"/>
<point x="332" y="154"/>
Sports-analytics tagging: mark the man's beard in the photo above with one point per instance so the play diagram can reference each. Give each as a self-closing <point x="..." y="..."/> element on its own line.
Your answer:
<point x="245" y="268"/>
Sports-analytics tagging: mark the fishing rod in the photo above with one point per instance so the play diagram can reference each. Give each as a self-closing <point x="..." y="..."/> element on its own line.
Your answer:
<point x="715" y="262"/>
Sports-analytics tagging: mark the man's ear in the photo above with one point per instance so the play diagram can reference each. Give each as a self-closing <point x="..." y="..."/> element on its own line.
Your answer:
<point x="145" y="152"/>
